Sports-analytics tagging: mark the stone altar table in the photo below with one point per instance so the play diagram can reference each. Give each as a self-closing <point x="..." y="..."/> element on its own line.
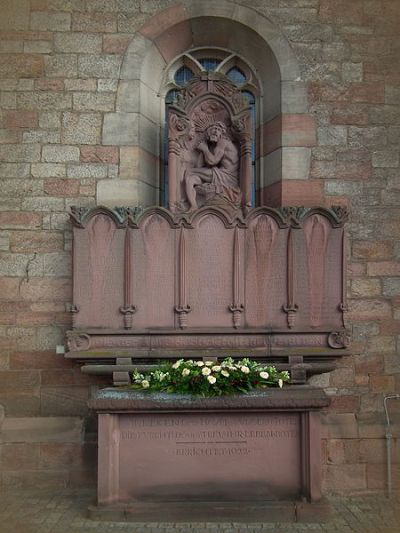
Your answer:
<point x="184" y="458"/>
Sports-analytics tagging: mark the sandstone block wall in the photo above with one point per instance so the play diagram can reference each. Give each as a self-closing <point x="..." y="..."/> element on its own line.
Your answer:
<point x="61" y="144"/>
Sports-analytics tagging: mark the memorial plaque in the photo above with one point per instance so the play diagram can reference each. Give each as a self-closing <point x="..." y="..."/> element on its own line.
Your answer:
<point x="224" y="457"/>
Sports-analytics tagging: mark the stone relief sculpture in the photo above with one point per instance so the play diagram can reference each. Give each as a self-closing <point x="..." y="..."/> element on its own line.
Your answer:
<point x="209" y="151"/>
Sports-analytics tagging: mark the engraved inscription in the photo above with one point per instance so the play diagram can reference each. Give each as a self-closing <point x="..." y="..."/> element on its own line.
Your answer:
<point x="184" y="456"/>
<point x="299" y="340"/>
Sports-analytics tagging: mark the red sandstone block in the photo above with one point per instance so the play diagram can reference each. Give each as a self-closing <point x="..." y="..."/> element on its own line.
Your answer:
<point x="308" y="193"/>
<point x="7" y="319"/>
<point x="157" y="24"/>
<point x="28" y="318"/>
<point x="36" y="241"/>
<point x="39" y="5"/>
<point x="116" y="44"/>
<point x="46" y="289"/>
<point x="21" y="66"/>
<point x="369" y="309"/>
<point x="372" y="249"/>
<point x="383" y="268"/>
<point x="353" y="170"/>
<point x="38" y="361"/>
<point x="13" y="119"/>
<point x="347" y="114"/>
<point x="17" y="456"/>
<point x="57" y="377"/>
<point x="62" y="188"/>
<point x="361" y="381"/>
<point x="346" y="477"/>
<point x="370" y="93"/>
<point x="88" y="188"/>
<point x="382" y="383"/>
<point x="9" y="288"/>
<point x="46" y="84"/>
<point x="367" y="364"/>
<point x="298" y="130"/>
<point x="345" y="404"/>
<point x="23" y="381"/>
<point x="319" y="92"/>
<point x="64" y="401"/>
<point x="329" y="201"/>
<point x="26" y="36"/>
<point x="342" y="12"/>
<point x="288" y="130"/>
<point x="356" y="269"/>
<point x="342" y="451"/>
<point x="100" y="154"/>
<point x="390" y="327"/>
<point x="56" y="455"/>
<point x="20" y="219"/>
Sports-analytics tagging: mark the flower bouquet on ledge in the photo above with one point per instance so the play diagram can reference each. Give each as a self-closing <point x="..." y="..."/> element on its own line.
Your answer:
<point x="209" y="378"/>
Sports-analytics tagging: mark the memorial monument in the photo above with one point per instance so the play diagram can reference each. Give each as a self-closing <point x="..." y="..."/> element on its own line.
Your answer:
<point x="208" y="276"/>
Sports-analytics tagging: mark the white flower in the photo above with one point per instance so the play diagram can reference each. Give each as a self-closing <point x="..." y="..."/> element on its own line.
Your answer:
<point x="145" y="384"/>
<point x="245" y="369"/>
<point x="206" y="371"/>
<point x="209" y="363"/>
<point x="216" y="368"/>
<point x="177" y="364"/>
<point x="280" y="383"/>
<point x="264" y="375"/>
<point x="185" y="372"/>
<point x="162" y="375"/>
<point x="199" y="363"/>
<point x="212" y="379"/>
<point x="225" y="373"/>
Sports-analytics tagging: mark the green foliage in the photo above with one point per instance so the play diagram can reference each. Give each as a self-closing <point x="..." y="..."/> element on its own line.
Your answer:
<point x="209" y="378"/>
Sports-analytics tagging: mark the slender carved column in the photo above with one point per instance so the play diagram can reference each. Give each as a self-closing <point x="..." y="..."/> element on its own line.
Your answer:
<point x="183" y="309"/>
<point x="128" y="310"/>
<point x="245" y="153"/>
<point x="291" y="308"/>
<point x="236" y="307"/>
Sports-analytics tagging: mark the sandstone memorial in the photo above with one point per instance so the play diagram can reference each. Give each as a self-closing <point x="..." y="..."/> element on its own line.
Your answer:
<point x="207" y="276"/>
<point x="207" y="184"/>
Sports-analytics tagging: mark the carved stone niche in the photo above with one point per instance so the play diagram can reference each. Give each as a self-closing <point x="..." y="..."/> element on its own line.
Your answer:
<point x="209" y="146"/>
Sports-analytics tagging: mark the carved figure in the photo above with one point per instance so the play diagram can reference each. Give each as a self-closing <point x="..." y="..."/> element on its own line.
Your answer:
<point x="216" y="175"/>
<point x="209" y="146"/>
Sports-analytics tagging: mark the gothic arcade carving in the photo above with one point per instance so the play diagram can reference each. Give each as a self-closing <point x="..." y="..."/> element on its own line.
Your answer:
<point x="209" y="146"/>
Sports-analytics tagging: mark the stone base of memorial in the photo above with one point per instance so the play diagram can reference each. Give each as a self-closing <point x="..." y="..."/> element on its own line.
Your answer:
<point x="170" y="457"/>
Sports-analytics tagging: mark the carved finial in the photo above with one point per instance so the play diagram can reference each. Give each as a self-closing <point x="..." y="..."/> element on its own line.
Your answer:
<point x="237" y="311"/>
<point x="128" y="313"/>
<point x="291" y="311"/>
<point x="182" y="315"/>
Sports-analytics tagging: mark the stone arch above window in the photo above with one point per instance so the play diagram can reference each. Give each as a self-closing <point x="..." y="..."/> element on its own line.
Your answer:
<point x="285" y="129"/>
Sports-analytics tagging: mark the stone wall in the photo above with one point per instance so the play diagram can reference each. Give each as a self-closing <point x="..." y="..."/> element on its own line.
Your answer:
<point x="60" y="91"/>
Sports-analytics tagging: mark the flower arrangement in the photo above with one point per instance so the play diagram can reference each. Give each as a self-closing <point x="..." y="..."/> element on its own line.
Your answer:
<point x="209" y="378"/>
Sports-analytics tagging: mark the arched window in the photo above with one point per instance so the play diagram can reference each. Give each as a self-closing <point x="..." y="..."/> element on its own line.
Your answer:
<point x="195" y="62"/>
